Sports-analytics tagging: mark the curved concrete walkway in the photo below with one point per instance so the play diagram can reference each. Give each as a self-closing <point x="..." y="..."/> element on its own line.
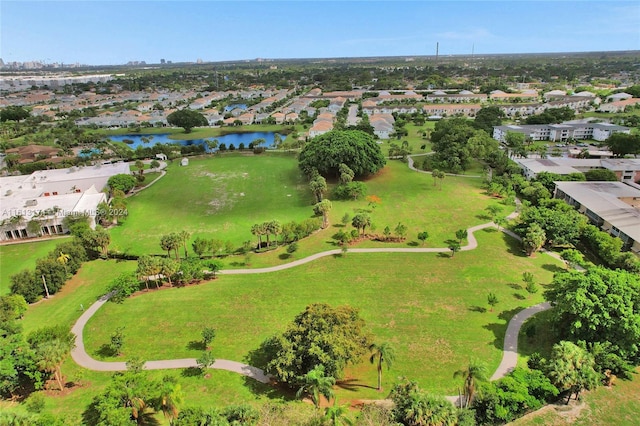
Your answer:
<point x="509" y="358"/>
<point x="510" y="351"/>
<point x="82" y="358"/>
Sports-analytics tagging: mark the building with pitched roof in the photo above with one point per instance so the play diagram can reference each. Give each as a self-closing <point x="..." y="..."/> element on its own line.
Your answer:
<point x="48" y="196"/>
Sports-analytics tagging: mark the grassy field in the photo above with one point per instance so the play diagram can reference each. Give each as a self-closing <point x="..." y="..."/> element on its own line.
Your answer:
<point x="428" y="305"/>
<point x="16" y="257"/>
<point x="226" y="195"/>
<point x="215" y="197"/>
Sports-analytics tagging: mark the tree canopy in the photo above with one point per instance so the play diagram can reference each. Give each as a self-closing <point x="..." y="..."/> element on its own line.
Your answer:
<point x="622" y="144"/>
<point x="456" y="142"/>
<point x="321" y="335"/>
<point x="599" y="305"/>
<point x="13" y="113"/>
<point x="488" y="117"/>
<point x="187" y="119"/>
<point x="354" y="148"/>
<point x="121" y="182"/>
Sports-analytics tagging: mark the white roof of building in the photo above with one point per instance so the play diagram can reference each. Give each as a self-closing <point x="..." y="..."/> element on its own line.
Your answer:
<point x="621" y="163"/>
<point x="75" y="189"/>
<point x="603" y="198"/>
<point x="65" y="205"/>
<point x="539" y="165"/>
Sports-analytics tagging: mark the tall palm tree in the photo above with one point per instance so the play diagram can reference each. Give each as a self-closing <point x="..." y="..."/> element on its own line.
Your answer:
<point x="315" y="383"/>
<point x="63" y="259"/>
<point x="275" y="228"/>
<point x="324" y="207"/>
<point x="257" y="231"/>
<point x="472" y="373"/>
<point x="184" y="238"/>
<point x="384" y="353"/>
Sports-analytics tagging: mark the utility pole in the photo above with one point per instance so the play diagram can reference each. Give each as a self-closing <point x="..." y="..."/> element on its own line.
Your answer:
<point x="46" y="289"/>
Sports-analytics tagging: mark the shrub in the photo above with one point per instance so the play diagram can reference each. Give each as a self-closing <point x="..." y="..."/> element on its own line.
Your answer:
<point x="123" y="286"/>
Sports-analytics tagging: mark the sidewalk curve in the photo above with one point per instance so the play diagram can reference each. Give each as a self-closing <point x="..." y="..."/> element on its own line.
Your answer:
<point x="509" y="358"/>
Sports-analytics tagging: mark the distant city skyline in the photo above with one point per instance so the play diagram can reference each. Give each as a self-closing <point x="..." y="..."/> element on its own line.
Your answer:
<point x="115" y="32"/>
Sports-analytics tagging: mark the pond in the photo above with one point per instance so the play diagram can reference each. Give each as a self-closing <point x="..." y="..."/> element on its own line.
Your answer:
<point x="234" y="138"/>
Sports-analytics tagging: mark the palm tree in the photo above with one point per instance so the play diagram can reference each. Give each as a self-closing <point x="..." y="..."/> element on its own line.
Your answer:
<point x="315" y="384"/>
<point x="361" y="221"/>
<point x="171" y="398"/>
<point x="63" y="259"/>
<point x="384" y="353"/>
<point x="336" y="414"/>
<point x="472" y="374"/>
<point x="257" y="231"/>
<point x="168" y="267"/>
<point x="184" y="238"/>
<point x="318" y="186"/>
<point x="324" y="207"/>
<point x="275" y="228"/>
<point x="51" y="355"/>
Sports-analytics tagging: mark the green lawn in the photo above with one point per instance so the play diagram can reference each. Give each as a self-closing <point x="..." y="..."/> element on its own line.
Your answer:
<point x="427" y="305"/>
<point x="16" y="257"/>
<point x="215" y="197"/>
<point x="273" y="188"/>
<point x="84" y="288"/>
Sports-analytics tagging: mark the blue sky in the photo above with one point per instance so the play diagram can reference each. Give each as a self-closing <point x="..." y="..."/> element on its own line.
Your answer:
<point x="113" y="32"/>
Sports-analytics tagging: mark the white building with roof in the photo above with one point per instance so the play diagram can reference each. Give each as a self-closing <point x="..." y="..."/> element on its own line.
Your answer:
<point x="626" y="169"/>
<point x="561" y="132"/>
<point x="612" y="206"/>
<point x="48" y="196"/>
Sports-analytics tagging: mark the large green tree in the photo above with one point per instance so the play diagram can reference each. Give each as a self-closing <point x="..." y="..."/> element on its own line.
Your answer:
<point x="187" y="119"/>
<point x="599" y="305"/>
<point x="121" y="182"/>
<point x="487" y="118"/>
<point x="354" y="148"/>
<point x="622" y="144"/>
<point x="321" y="335"/>
<point x="13" y="113"/>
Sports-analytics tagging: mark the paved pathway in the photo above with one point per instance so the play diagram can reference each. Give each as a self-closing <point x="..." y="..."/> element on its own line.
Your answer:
<point x="82" y="358"/>
<point x="510" y="353"/>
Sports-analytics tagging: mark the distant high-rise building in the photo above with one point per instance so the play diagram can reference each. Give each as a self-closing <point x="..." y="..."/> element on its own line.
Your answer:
<point x="162" y="61"/>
